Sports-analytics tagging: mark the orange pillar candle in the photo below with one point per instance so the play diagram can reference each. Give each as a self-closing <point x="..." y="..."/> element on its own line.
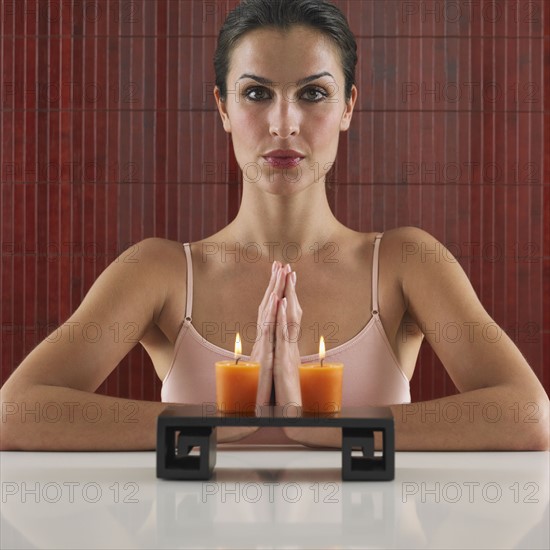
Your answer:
<point x="237" y="383"/>
<point x="321" y="384"/>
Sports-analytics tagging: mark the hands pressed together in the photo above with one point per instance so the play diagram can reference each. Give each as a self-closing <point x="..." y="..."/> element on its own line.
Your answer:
<point x="276" y="348"/>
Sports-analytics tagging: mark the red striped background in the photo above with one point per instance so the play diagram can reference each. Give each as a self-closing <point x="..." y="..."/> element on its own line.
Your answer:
<point x="108" y="125"/>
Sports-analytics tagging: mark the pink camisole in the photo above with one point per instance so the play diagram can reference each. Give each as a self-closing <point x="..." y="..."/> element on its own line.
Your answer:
<point x="372" y="374"/>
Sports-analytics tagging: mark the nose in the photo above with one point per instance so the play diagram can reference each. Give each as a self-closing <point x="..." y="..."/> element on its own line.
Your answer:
<point x="284" y="119"/>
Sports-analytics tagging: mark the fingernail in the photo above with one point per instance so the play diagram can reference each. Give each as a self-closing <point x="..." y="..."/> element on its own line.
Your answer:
<point x="293" y="277"/>
<point x="274" y="267"/>
<point x="284" y="303"/>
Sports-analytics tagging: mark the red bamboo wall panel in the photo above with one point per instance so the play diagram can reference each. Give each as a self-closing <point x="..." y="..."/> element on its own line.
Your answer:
<point x="110" y="134"/>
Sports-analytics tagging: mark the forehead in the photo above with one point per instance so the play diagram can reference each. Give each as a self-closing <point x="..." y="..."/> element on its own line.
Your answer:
<point x="284" y="55"/>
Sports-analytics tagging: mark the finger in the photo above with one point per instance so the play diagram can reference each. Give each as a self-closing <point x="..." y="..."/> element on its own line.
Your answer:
<point x="270" y="286"/>
<point x="265" y="382"/>
<point x="270" y="311"/>
<point x="294" y="310"/>
<point x="280" y="328"/>
<point x="281" y="280"/>
<point x="286" y="343"/>
<point x="292" y="316"/>
<point x="286" y="374"/>
<point x="266" y="350"/>
<point x="269" y="318"/>
<point x="265" y="335"/>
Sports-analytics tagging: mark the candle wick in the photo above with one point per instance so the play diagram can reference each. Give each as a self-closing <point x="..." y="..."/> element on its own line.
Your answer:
<point x="321" y="361"/>
<point x="237" y="362"/>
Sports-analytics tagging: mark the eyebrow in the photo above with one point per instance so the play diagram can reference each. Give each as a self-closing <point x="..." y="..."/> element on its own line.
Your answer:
<point x="263" y="80"/>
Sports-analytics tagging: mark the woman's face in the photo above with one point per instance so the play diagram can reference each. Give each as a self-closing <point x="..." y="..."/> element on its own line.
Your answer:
<point x="306" y="117"/>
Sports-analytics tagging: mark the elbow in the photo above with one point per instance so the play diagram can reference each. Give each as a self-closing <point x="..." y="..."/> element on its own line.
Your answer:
<point x="537" y="429"/>
<point x="527" y="425"/>
<point x="541" y="439"/>
<point x="10" y="426"/>
<point x="8" y="441"/>
<point x="537" y="440"/>
<point x="9" y="431"/>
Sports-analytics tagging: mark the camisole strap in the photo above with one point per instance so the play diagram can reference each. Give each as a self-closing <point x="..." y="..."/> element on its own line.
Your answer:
<point x="377" y="240"/>
<point x="189" y="304"/>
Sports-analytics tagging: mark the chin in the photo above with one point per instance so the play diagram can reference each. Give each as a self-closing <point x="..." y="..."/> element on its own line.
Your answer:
<point x="285" y="183"/>
<point x="282" y="188"/>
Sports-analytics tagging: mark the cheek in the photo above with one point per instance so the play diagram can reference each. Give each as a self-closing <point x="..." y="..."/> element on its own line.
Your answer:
<point x="322" y="129"/>
<point x="245" y="126"/>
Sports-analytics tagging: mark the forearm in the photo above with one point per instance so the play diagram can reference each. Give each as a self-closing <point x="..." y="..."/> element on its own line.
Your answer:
<point x="228" y="434"/>
<point x="316" y="437"/>
<point x="488" y="419"/>
<point x="53" y="418"/>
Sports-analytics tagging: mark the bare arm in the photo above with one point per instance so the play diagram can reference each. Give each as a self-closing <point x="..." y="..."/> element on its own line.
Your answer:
<point x="48" y="403"/>
<point x="488" y="419"/>
<point x="501" y="405"/>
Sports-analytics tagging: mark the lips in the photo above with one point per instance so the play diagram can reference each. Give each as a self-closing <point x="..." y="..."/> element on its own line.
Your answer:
<point x="284" y="158"/>
<point x="283" y="162"/>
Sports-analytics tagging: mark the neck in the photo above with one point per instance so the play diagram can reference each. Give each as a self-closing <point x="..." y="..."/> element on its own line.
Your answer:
<point x="283" y="227"/>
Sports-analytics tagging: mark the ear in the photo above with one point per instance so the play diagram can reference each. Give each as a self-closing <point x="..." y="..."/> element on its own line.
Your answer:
<point x="222" y="108"/>
<point x="348" y="112"/>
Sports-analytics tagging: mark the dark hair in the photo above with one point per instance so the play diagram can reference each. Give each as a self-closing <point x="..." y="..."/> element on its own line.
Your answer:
<point x="282" y="14"/>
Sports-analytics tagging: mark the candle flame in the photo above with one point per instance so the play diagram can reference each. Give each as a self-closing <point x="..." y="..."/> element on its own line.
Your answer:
<point x="322" y="348"/>
<point x="238" y="348"/>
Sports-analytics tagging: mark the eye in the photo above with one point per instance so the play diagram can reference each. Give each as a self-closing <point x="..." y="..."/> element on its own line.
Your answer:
<point x="254" y="90"/>
<point x="321" y="94"/>
<point x="315" y="94"/>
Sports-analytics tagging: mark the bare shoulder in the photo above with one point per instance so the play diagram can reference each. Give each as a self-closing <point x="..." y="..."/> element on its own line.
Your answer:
<point x="144" y="271"/>
<point x="408" y="246"/>
<point x="401" y="241"/>
<point x="156" y="249"/>
<point x="159" y="254"/>
<point x="424" y="266"/>
<point x="396" y="239"/>
<point x="163" y="256"/>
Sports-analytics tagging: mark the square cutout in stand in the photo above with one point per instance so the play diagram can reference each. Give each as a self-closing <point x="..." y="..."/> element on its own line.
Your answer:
<point x="180" y="461"/>
<point x="366" y="466"/>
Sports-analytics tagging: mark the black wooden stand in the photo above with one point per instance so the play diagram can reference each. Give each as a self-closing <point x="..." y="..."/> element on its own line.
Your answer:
<point x="180" y="428"/>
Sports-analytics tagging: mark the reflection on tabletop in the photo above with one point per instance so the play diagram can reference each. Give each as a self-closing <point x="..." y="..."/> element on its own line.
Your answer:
<point x="277" y="497"/>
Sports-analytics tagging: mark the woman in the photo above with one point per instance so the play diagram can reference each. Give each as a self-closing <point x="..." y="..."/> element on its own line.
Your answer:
<point x="285" y="74"/>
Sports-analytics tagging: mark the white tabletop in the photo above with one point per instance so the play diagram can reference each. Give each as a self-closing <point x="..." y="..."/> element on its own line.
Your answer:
<point x="281" y="497"/>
